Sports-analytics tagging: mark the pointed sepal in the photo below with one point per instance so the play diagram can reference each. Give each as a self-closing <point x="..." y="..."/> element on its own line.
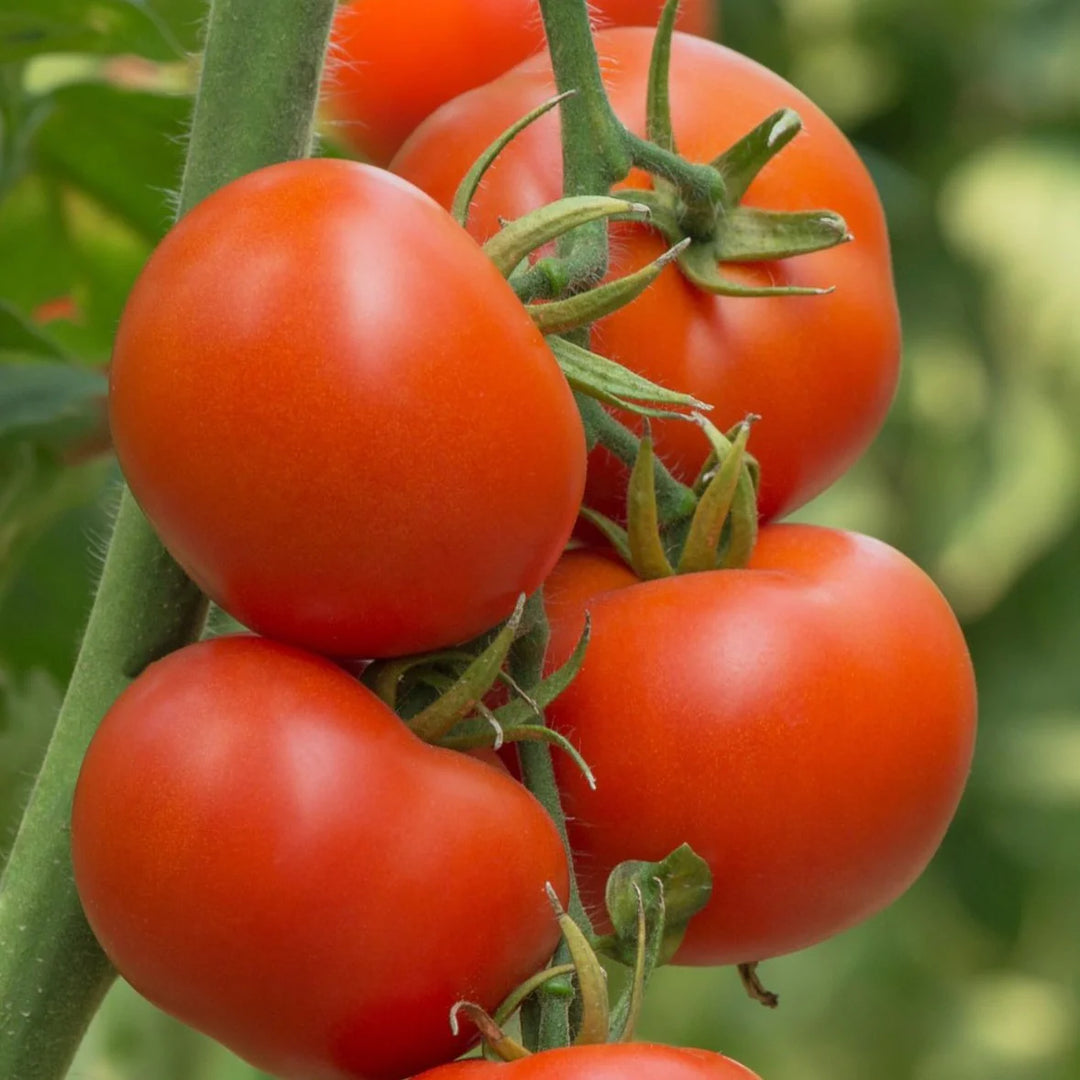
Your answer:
<point x="744" y="159"/>
<point x="699" y="265"/>
<point x="462" y="696"/>
<point x="753" y="235"/>
<point x="657" y="100"/>
<point x="701" y="547"/>
<point x="581" y="309"/>
<point x="592" y="979"/>
<point x="466" y="190"/>
<point x="647" y="555"/>
<point x="518" y="238"/>
<point x="609" y="382"/>
<point x="495" y="1039"/>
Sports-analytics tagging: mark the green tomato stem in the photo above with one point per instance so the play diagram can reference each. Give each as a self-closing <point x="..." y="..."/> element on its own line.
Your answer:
<point x="53" y="973"/>
<point x="551" y="1028"/>
<point x="674" y="500"/>
<point x="598" y="150"/>
<point x="594" y="148"/>
<point x="255" y="106"/>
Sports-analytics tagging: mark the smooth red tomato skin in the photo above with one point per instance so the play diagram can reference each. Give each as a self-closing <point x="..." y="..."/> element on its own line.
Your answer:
<point x="387" y="71"/>
<point x="805" y="724"/>
<point x="608" y="1061"/>
<point x="339" y="417"/>
<point x="821" y="371"/>
<point x="266" y="852"/>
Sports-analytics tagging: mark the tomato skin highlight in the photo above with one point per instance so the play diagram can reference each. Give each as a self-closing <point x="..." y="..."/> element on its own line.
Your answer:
<point x="338" y="416"/>
<point x="820" y="371"/>
<point x="266" y="852"/>
<point x="805" y="724"/>
<point x="387" y="71"/>
<point x="606" y="1061"/>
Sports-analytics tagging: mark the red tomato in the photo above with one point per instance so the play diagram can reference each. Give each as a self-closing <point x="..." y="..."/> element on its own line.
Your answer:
<point x="339" y="417"/>
<point x="805" y="724"/>
<point x="819" y="370"/>
<point x="266" y="852"/>
<point x="610" y="1061"/>
<point x="388" y="69"/>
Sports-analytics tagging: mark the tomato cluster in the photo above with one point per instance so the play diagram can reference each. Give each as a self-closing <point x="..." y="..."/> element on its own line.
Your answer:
<point x="348" y="429"/>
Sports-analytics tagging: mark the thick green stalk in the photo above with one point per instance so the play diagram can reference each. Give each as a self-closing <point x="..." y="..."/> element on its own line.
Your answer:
<point x="255" y="106"/>
<point x="594" y="148"/>
<point x="594" y="151"/>
<point x="598" y="151"/>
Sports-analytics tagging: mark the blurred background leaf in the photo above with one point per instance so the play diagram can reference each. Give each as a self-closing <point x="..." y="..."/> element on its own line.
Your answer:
<point x="968" y="114"/>
<point x="157" y="29"/>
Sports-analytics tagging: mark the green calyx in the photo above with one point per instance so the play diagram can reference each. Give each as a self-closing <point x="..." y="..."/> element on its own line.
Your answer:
<point x="718" y="532"/>
<point x="702" y="203"/>
<point x="440" y="695"/>
<point x="649" y="905"/>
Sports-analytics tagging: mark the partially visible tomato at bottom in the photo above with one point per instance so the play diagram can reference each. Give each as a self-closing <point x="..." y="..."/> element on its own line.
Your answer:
<point x="806" y="724"/>
<point x="266" y="852"/>
<point x="609" y="1061"/>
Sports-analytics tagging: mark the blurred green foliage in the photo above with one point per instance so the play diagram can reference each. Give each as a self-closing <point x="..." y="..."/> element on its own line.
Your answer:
<point x="968" y="113"/>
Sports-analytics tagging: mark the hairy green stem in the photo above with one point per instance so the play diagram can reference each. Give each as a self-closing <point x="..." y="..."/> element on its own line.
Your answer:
<point x="595" y="155"/>
<point x="674" y="500"/>
<point x="598" y="151"/>
<point x="255" y="106"/>
<point x="551" y="1027"/>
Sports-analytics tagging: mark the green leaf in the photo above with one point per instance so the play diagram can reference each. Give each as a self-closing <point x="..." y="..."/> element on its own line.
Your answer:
<point x="20" y="336"/>
<point x="68" y="247"/>
<point x="157" y="29"/>
<point x="35" y="490"/>
<point x="681" y="883"/>
<point x="28" y="708"/>
<point x="134" y="159"/>
<point x="49" y="402"/>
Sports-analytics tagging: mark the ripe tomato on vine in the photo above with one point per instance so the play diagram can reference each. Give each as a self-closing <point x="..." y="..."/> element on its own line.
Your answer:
<point x="806" y="724"/>
<point x="819" y="370"/>
<point x="265" y="851"/>
<point x="338" y="416"/>
<point x="602" y="1062"/>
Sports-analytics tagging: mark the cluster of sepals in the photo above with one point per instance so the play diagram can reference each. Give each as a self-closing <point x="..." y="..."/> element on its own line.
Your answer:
<point x="649" y="905"/>
<point x="441" y="695"/>
<point x="670" y="528"/>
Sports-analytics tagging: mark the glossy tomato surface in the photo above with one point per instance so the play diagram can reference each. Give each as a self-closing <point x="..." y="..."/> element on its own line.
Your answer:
<point x="265" y="851"/>
<point x="611" y="1061"/>
<point x="339" y="417"/>
<point x="388" y="68"/>
<point x="819" y="370"/>
<point x="805" y="724"/>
